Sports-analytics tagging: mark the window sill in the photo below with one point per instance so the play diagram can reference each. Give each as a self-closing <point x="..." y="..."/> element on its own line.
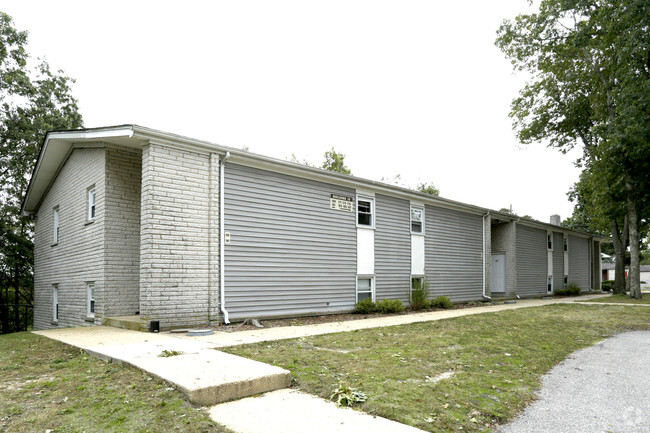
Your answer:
<point x="90" y="319"/>
<point x="365" y="227"/>
<point x="418" y="233"/>
<point x="89" y="222"/>
<point x="55" y="244"/>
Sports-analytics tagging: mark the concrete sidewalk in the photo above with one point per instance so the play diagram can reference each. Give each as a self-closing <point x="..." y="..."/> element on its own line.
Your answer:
<point x="210" y="377"/>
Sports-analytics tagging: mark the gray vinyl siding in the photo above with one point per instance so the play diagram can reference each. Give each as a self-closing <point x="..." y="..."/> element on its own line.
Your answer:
<point x="392" y="248"/>
<point x="558" y="261"/>
<point x="532" y="261"/>
<point x="289" y="253"/>
<point x="579" y="262"/>
<point x="453" y="249"/>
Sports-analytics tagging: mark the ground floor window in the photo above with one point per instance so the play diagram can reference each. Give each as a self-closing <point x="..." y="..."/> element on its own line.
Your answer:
<point x="365" y="288"/>
<point x="549" y="283"/>
<point x="91" y="299"/>
<point x="55" y="303"/>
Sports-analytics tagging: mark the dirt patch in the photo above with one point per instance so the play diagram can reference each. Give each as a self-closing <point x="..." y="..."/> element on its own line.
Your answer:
<point x="316" y="320"/>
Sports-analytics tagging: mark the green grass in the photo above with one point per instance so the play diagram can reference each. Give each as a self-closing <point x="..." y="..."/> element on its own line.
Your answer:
<point x="45" y="384"/>
<point x="495" y="361"/>
<point x="624" y="299"/>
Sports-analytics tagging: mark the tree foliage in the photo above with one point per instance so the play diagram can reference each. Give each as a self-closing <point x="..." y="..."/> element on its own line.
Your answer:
<point x="589" y="62"/>
<point x="32" y="102"/>
<point x="335" y="161"/>
<point x="429" y="188"/>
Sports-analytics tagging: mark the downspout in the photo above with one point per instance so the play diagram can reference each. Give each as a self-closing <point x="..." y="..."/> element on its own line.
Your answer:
<point x="222" y="275"/>
<point x="484" y="258"/>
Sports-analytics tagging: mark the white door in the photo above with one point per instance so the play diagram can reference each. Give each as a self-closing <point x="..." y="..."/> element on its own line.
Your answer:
<point x="498" y="273"/>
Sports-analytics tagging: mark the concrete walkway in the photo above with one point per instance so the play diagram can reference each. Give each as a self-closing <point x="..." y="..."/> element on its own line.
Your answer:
<point x="209" y="377"/>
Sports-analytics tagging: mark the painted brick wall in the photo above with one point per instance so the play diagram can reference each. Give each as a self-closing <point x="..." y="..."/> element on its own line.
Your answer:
<point x="78" y="256"/>
<point x="122" y="232"/>
<point x="174" y="241"/>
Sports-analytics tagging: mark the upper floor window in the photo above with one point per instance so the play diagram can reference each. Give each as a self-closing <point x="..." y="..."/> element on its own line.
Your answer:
<point x="566" y="243"/>
<point x="55" y="219"/>
<point x="417" y="219"/>
<point x="91" y="203"/>
<point x="365" y="212"/>
<point x="549" y="240"/>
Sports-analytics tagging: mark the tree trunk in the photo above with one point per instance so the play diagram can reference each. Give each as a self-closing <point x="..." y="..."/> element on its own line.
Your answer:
<point x="619" y="257"/>
<point x="635" y="269"/>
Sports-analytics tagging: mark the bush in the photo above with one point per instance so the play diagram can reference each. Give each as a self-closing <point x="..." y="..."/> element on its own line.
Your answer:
<point x="608" y="285"/>
<point x="571" y="290"/>
<point x="365" y="307"/>
<point x="419" y="293"/>
<point x="390" y="306"/>
<point x="442" y="302"/>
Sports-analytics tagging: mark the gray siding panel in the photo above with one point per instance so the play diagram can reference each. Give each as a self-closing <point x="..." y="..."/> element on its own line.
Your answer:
<point x="579" y="262"/>
<point x="453" y="250"/>
<point x="532" y="261"/>
<point x="558" y="261"/>
<point x="392" y="248"/>
<point x="289" y="253"/>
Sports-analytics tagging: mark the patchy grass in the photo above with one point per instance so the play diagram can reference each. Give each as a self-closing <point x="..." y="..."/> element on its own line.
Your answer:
<point x="464" y="374"/>
<point x="624" y="299"/>
<point x="47" y="385"/>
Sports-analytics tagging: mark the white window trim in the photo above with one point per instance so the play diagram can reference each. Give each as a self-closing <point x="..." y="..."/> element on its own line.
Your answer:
<point x="372" y="287"/>
<point x="421" y="209"/>
<point x="91" y="192"/>
<point x="56" y="225"/>
<point x="413" y="276"/>
<point x="55" y="303"/>
<point x="90" y="286"/>
<point x="372" y="212"/>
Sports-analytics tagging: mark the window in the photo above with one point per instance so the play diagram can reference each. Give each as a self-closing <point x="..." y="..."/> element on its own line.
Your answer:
<point x="91" y="203"/>
<point x="364" y="288"/>
<point x="566" y="243"/>
<point x="566" y="281"/>
<point x="365" y="211"/>
<point x="549" y="283"/>
<point x="55" y="234"/>
<point x="417" y="220"/>
<point x="55" y="303"/>
<point x="549" y="240"/>
<point x="91" y="299"/>
<point x="416" y="284"/>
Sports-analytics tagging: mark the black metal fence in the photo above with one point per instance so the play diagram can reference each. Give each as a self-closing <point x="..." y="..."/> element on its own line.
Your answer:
<point x="16" y="318"/>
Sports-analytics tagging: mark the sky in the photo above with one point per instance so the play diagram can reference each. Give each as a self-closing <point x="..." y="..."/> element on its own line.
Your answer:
<point x="400" y="87"/>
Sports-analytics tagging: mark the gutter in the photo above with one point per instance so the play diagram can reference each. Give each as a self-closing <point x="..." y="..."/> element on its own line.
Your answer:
<point x="222" y="235"/>
<point x="484" y="258"/>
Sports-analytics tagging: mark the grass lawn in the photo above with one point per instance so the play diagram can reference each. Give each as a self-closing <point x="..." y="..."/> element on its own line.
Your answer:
<point x="47" y="385"/>
<point x="624" y="299"/>
<point x="464" y="374"/>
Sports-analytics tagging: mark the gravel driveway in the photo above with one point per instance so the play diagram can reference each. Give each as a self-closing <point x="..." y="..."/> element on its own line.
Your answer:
<point x="604" y="388"/>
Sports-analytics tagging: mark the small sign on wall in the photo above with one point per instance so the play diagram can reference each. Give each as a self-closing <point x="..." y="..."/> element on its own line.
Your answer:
<point x="341" y="202"/>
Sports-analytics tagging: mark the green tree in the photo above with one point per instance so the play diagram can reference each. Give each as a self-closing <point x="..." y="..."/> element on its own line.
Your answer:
<point x="335" y="161"/>
<point x="589" y="62"/>
<point x="429" y="188"/>
<point x="32" y="102"/>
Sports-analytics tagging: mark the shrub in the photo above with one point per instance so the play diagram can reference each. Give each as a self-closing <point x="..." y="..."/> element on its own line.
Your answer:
<point x="346" y="396"/>
<point x="365" y="307"/>
<point x="571" y="290"/>
<point x="608" y="285"/>
<point x="390" y="306"/>
<point x="442" y="302"/>
<point x="419" y="293"/>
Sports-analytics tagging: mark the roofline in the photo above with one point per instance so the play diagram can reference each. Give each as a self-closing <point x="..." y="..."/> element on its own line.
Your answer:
<point x="67" y="139"/>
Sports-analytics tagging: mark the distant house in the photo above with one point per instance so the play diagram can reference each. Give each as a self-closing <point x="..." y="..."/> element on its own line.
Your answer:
<point x="609" y="273"/>
<point x="134" y="221"/>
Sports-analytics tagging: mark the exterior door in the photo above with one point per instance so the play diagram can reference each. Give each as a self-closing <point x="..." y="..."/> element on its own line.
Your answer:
<point x="498" y="273"/>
